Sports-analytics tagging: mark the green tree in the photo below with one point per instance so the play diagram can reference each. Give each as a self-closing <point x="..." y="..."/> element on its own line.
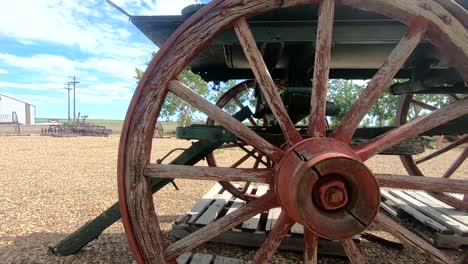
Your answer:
<point x="174" y="106"/>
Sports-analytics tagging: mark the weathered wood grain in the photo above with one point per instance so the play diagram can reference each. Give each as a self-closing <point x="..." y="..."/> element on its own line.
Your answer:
<point x="412" y="241"/>
<point x="252" y="223"/>
<point x="137" y="208"/>
<point x="408" y="209"/>
<point x="348" y="125"/>
<point x="204" y="202"/>
<point x="274" y="239"/>
<point x="412" y="129"/>
<point x="352" y="251"/>
<point x="442" y="218"/>
<point x="422" y="183"/>
<point x="310" y="247"/>
<point x="267" y="85"/>
<point x="317" y="126"/>
<point x="459" y="215"/>
<point x="215" y="208"/>
<point x="209" y="173"/>
<point x="221" y="225"/>
<point x="215" y="113"/>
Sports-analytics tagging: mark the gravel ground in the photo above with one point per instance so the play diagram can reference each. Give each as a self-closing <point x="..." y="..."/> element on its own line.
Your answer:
<point x="51" y="186"/>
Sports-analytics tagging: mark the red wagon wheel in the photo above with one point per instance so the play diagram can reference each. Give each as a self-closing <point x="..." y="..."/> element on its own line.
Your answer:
<point x="233" y="96"/>
<point x="319" y="182"/>
<point x="414" y="166"/>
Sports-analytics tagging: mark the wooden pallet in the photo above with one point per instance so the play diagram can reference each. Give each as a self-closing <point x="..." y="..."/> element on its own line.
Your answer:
<point x="199" y="258"/>
<point x="251" y="233"/>
<point x="447" y="227"/>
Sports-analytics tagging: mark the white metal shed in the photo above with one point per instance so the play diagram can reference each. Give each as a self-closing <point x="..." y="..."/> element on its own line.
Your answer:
<point x="26" y="112"/>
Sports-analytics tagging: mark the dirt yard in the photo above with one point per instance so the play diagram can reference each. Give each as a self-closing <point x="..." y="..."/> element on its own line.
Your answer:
<point x="51" y="186"/>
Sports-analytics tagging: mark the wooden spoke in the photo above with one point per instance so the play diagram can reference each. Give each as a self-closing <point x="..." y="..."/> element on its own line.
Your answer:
<point x="240" y="161"/>
<point x="208" y="173"/>
<point x="422" y="183"/>
<point x="252" y="154"/>
<point x="412" y="129"/>
<point x="265" y="81"/>
<point x="225" y="120"/>
<point x="352" y="251"/>
<point x="379" y="82"/>
<point x="274" y="239"/>
<point x="412" y="241"/>
<point x="310" y="247"/>
<point x="318" y="100"/>
<point x="220" y="226"/>
<point x="458" y="162"/>
<point x="423" y="105"/>
<point x="438" y="152"/>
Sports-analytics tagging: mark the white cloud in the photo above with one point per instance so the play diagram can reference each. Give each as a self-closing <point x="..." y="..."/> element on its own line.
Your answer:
<point x="32" y="86"/>
<point x="2" y="71"/>
<point x="70" y="23"/>
<point x="56" y="67"/>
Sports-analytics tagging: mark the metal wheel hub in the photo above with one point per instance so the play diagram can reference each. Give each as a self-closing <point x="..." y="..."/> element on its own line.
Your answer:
<point x="323" y="185"/>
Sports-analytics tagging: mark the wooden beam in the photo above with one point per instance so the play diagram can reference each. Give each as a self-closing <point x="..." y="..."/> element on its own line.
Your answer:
<point x="318" y="100"/>
<point x="348" y="125"/>
<point x="208" y="173"/>
<point x="267" y="85"/>
<point x="230" y="123"/>
<point x="411" y="240"/>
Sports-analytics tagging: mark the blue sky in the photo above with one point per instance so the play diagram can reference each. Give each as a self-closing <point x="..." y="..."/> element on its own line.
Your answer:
<point x="42" y="42"/>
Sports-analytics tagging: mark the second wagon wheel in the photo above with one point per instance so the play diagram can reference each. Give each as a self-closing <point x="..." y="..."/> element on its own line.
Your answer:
<point x="233" y="99"/>
<point x="458" y="148"/>
<point x="320" y="181"/>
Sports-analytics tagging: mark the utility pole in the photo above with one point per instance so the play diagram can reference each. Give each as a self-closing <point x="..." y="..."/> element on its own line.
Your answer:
<point x="74" y="82"/>
<point x="68" y="88"/>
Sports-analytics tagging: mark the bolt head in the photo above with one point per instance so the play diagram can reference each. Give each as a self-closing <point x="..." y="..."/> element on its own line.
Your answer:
<point x="332" y="195"/>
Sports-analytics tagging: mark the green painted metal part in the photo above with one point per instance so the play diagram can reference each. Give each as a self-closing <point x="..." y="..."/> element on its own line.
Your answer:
<point x="273" y="134"/>
<point x="92" y="229"/>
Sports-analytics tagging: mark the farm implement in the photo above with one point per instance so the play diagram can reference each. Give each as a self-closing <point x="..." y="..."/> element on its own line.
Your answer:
<point x="78" y="128"/>
<point x="284" y="55"/>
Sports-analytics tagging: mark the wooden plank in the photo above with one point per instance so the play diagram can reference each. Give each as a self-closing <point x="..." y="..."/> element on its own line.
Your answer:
<point x="215" y="208"/>
<point x="200" y="258"/>
<point x="238" y="203"/>
<point x="297" y="229"/>
<point x="184" y="258"/>
<point x="237" y="237"/>
<point x="224" y="260"/>
<point x="458" y="215"/>
<point x="428" y="210"/>
<point x="415" y="213"/>
<point x="204" y="202"/>
<point x="273" y="215"/>
<point x="252" y="223"/>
